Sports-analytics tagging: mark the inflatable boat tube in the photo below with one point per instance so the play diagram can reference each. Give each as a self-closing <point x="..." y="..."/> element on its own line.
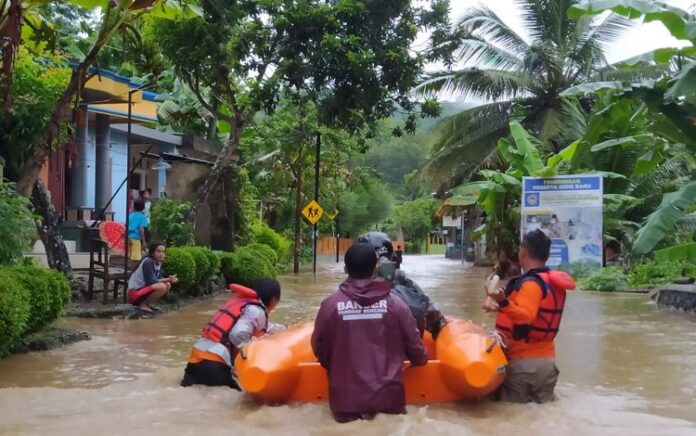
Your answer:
<point x="464" y="363"/>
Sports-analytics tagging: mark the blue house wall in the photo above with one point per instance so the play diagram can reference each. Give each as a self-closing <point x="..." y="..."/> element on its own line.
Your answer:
<point x="85" y="174"/>
<point x="118" y="151"/>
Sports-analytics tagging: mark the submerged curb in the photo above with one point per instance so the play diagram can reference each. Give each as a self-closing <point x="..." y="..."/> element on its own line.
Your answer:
<point x="173" y="302"/>
<point x="49" y="339"/>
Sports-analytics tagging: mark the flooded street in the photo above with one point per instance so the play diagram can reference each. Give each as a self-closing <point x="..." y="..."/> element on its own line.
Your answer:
<point x="626" y="368"/>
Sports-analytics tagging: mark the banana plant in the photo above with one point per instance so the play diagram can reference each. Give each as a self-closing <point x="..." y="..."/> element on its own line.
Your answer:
<point x="499" y="191"/>
<point x="673" y="95"/>
<point x="664" y="219"/>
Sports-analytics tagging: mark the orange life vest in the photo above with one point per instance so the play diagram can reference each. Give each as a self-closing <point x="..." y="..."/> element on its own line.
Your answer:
<point x="544" y="327"/>
<point x="222" y="323"/>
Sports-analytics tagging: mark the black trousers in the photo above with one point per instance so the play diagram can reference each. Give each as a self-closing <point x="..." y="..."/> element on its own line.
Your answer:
<point x="209" y="373"/>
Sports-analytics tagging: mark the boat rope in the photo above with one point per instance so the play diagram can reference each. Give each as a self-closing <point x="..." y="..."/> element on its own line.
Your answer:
<point x="497" y="339"/>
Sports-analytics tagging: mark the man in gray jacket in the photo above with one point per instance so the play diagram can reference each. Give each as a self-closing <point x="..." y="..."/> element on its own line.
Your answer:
<point x="428" y="317"/>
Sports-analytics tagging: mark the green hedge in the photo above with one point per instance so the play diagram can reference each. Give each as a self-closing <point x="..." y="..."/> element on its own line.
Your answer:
<point x="213" y="261"/>
<point x="31" y="297"/>
<point x="262" y="234"/>
<point x="265" y="251"/>
<point x="179" y="262"/>
<point x="15" y="309"/>
<point x="200" y="258"/>
<point x="246" y="267"/>
<point x="610" y="279"/>
<point x="655" y="273"/>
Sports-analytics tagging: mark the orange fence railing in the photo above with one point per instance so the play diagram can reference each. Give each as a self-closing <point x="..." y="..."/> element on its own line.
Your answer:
<point x="327" y="245"/>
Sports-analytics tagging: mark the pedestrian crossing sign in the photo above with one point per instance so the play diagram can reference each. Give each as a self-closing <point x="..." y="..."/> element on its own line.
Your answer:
<point x="312" y="212"/>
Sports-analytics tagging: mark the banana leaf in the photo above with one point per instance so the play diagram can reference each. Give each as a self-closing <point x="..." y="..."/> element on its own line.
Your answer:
<point x="676" y="253"/>
<point x="662" y="221"/>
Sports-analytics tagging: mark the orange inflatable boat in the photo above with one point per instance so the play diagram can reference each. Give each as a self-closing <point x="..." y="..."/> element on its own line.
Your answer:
<point x="464" y="363"/>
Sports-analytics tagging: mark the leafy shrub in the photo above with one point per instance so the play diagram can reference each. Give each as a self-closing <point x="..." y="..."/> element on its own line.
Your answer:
<point x="654" y="273"/>
<point x="14" y="310"/>
<point x="49" y="292"/>
<point x="413" y="248"/>
<point x="213" y="261"/>
<point x="179" y="262"/>
<point x="262" y="234"/>
<point x="200" y="258"/>
<point x="690" y="270"/>
<point x="611" y="279"/>
<point x="170" y="222"/>
<point x="580" y="269"/>
<point x="60" y="289"/>
<point x="265" y="251"/>
<point x="246" y="267"/>
<point x="226" y="266"/>
<point x="16" y="224"/>
<point x="306" y="254"/>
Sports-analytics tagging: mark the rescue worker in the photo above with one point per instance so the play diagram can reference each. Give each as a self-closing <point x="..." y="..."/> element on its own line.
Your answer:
<point x="428" y="317"/>
<point x="362" y="335"/>
<point x="529" y="311"/>
<point x="241" y="319"/>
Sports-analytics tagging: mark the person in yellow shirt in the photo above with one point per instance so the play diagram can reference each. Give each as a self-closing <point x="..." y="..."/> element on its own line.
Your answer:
<point x="529" y="310"/>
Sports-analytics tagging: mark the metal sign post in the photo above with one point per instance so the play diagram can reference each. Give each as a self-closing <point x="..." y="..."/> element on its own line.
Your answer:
<point x="317" y="162"/>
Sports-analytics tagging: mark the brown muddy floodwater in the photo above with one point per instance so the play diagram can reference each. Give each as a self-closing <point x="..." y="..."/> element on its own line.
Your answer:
<point x="627" y="368"/>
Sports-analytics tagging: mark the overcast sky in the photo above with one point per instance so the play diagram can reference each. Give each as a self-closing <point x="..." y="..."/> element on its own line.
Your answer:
<point x="643" y="38"/>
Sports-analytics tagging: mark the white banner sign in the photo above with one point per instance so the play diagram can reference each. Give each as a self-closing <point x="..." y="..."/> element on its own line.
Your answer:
<point x="569" y="210"/>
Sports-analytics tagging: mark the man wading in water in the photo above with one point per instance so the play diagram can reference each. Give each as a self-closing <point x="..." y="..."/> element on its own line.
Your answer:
<point x="529" y="315"/>
<point x="362" y="335"/>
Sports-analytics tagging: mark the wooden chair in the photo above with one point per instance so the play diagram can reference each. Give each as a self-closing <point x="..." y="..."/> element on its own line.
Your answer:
<point x="102" y="266"/>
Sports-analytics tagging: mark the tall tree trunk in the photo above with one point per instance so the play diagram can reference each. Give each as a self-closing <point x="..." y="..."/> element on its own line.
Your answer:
<point x="62" y="111"/>
<point x="47" y="227"/>
<point x="228" y="158"/>
<point x="40" y="149"/>
<point x="231" y="201"/>
<point x="212" y="122"/>
<point x="10" y="38"/>
<point x="297" y="170"/>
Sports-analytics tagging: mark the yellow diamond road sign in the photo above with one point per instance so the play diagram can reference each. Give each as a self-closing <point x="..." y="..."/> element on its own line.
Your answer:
<point x="312" y="212"/>
<point x="332" y="216"/>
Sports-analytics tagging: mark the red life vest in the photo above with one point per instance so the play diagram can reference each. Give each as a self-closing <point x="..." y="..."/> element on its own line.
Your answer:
<point x="222" y="323"/>
<point x="548" y="319"/>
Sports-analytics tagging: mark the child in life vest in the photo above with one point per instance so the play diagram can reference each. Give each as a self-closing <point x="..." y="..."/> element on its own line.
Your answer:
<point x="241" y="319"/>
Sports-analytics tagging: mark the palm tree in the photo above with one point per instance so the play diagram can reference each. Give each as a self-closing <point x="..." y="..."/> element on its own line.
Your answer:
<point x="518" y="79"/>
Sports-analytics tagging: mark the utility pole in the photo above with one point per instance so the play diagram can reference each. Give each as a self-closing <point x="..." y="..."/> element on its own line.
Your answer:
<point x="316" y="198"/>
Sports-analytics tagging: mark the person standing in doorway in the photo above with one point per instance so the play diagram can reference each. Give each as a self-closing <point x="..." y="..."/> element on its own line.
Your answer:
<point x="530" y="309"/>
<point x="137" y="223"/>
<point x="398" y="256"/>
<point x="146" y="197"/>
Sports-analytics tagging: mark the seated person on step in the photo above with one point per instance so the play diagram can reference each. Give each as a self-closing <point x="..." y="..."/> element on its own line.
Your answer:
<point x="146" y="285"/>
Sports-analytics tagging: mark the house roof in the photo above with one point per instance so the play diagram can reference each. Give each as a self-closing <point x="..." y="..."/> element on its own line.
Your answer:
<point x="141" y="133"/>
<point x="107" y="92"/>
